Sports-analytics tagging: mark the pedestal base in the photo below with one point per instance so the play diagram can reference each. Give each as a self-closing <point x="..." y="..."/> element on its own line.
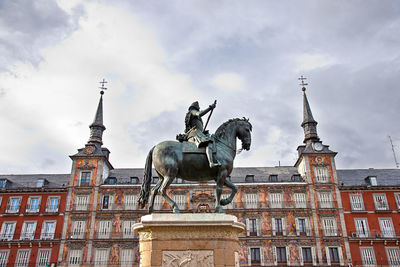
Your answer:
<point x="189" y="240"/>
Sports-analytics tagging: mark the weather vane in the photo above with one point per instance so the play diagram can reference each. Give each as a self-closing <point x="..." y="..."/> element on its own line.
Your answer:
<point x="302" y="79"/>
<point x="102" y="86"/>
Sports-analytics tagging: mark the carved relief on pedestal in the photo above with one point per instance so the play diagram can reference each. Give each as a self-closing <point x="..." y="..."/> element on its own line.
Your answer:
<point x="188" y="258"/>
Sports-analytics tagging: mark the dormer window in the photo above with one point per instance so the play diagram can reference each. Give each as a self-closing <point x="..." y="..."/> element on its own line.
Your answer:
<point x="3" y="183"/>
<point x="297" y="178"/>
<point x="179" y="180"/>
<point x="40" y="182"/>
<point x="273" y="178"/>
<point x="112" y="180"/>
<point x="155" y="179"/>
<point x="249" y="178"/>
<point x="134" y="180"/>
<point x="371" y="180"/>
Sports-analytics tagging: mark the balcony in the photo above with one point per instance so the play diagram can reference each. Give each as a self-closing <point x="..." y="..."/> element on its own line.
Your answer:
<point x="32" y="209"/>
<point x="269" y="205"/>
<point x="374" y="234"/>
<point x="12" y="209"/>
<point x="77" y="234"/>
<point x="31" y="237"/>
<point x="52" y="208"/>
<point x="6" y="237"/>
<point x="115" y="235"/>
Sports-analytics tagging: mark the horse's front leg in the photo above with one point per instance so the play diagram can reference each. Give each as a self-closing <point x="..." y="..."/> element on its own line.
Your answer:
<point x="220" y="183"/>
<point x="233" y="193"/>
<point x="167" y="181"/>
<point x="154" y="193"/>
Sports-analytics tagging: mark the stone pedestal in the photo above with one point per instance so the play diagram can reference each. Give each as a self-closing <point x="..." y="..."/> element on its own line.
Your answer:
<point x="189" y="240"/>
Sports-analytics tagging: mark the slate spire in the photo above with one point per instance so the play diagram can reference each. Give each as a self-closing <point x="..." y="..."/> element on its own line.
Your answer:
<point x="309" y="124"/>
<point x="97" y="128"/>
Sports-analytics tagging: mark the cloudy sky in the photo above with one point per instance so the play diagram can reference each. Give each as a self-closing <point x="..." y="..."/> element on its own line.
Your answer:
<point x="160" y="56"/>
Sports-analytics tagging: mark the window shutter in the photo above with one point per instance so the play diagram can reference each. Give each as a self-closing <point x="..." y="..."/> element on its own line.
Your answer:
<point x="34" y="230"/>
<point x="314" y="256"/>
<point x="249" y="256"/>
<point x="273" y="226"/>
<point x="287" y="255"/>
<point x="42" y="235"/>
<point x="274" y="255"/>
<point x="328" y="257"/>
<point x="341" y="260"/>
<point x="296" y="221"/>
<point x="262" y="256"/>
<point x="301" y="256"/>
<point x="308" y="227"/>
<point x="283" y="226"/>
<point x="258" y="222"/>
<point x="247" y="227"/>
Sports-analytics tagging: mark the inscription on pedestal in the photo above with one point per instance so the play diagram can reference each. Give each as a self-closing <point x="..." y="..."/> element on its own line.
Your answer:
<point x="188" y="258"/>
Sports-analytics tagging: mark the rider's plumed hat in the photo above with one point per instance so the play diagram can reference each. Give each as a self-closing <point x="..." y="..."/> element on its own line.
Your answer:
<point x="195" y="105"/>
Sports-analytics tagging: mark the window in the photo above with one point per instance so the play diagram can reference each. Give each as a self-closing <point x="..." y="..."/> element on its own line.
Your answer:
<point x="361" y="227"/>
<point x="104" y="229"/>
<point x="300" y="200"/>
<point x="252" y="227"/>
<point x="111" y="180"/>
<point x="273" y="178"/>
<point x="28" y="230"/>
<point x="82" y="202"/>
<point x="134" y="180"/>
<point x="180" y="200"/>
<point x="107" y="202"/>
<point x="275" y="200"/>
<point x="278" y="226"/>
<point x="325" y="200"/>
<point x="371" y="180"/>
<point x="255" y="255"/>
<point x="157" y="202"/>
<point x="329" y="226"/>
<point x="52" y="204"/>
<point x="48" y="230"/>
<point x="33" y="204"/>
<point x="356" y="202"/>
<point x="4" y="257"/>
<point x="78" y="229"/>
<point x="155" y="180"/>
<point x="22" y="259"/>
<point x="249" y="178"/>
<point x="43" y="258"/>
<point x="179" y="180"/>
<point x="85" y="178"/>
<point x="101" y="257"/>
<point x="333" y="255"/>
<point x="321" y="174"/>
<point x="3" y="183"/>
<point x="230" y="205"/>
<point x="127" y="256"/>
<point x="368" y="256"/>
<point x="393" y="256"/>
<point x="297" y="178"/>
<point x="307" y="256"/>
<point x="14" y="204"/>
<point x="7" y="231"/>
<point x="130" y="202"/>
<point x="251" y="200"/>
<point x="397" y="197"/>
<point x="74" y="257"/>
<point x="40" y="182"/>
<point x="386" y="225"/>
<point x="302" y="227"/>
<point x="127" y="230"/>
<point x="381" y="202"/>
<point x="281" y="254"/>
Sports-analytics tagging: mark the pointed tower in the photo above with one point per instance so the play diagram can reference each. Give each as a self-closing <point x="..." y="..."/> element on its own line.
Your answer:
<point x="309" y="124"/>
<point x="97" y="128"/>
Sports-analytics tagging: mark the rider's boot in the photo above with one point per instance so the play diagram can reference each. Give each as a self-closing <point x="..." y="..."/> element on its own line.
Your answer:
<point x="211" y="158"/>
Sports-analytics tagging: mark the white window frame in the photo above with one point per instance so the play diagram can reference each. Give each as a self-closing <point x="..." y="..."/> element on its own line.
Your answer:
<point x="276" y="200"/>
<point x="393" y="256"/>
<point x="48" y="235"/>
<point x="25" y="234"/>
<point x="29" y="206"/>
<point x="49" y="205"/>
<point x="127" y="231"/>
<point x="313" y="255"/>
<point x="356" y="202"/>
<point x="22" y="258"/>
<point x="275" y="255"/>
<point x="74" y="257"/>
<point x="104" y="229"/>
<point x="127" y="256"/>
<point x="43" y="257"/>
<point x="325" y="199"/>
<point x="78" y="229"/>
<point x="180" y="200"/>
<point x="300" y="200"/>
<point x="8" y="236"/>
<point x="368" y="256"/>
<point x="80" y="177"/>
<point x="307" y="225"/>
<point x="81" y="202"/>
<point x="4" y="254"/>
<point x="101" y="256"/>
<point x="397" y="198"/>
<point x="273" y="222"/>
<point x="261" y="255"/>
<point x="321" y="174"/>
<point x="130" y="201"/>
<point x="10" y="206"/>
<point x="328" y="255"/>
<point x="258" y="226"/>
<point x="110" y="201"/>
<point x="329" y="226"/>
<point x="361" y="226"/>
<point x="251" y="200"/>
<point x="386" y="226"/>
<point x="381" y="202"/>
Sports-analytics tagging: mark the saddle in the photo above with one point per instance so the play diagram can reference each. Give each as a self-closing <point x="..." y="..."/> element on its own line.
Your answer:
<point x="191" y="148"/>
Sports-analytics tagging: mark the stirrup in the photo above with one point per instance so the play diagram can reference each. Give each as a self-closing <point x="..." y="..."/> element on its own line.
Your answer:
<point x="213" y="165"/>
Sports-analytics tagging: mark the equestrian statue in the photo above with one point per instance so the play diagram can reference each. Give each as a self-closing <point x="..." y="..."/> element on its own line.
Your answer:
<point x="197" y="156"/>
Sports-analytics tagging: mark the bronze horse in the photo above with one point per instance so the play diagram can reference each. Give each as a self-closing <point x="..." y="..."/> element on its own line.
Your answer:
<point x="184" y="160"/>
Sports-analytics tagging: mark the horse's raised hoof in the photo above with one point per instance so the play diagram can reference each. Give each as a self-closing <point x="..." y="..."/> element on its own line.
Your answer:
<point x="219" y="210"/>
<point x="175" y="210"/>
<point x="224" y="202"/>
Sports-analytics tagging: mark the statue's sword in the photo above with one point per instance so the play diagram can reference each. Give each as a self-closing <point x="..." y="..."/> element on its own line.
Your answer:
<point x="209" y="116"/>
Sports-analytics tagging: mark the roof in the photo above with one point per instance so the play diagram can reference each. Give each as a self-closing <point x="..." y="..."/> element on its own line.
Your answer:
<point x="52" y="181"/>
<point x="356" y="177"/>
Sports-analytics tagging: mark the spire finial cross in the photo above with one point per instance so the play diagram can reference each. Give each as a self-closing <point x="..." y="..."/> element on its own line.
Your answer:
<point x="102" y="88"/>
<point x="302" y="79"/>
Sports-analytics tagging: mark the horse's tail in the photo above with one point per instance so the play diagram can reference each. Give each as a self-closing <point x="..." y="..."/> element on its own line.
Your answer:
<point x="145" y="191"/>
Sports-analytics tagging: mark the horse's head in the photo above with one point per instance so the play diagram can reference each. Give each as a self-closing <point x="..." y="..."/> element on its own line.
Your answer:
<point x="243" y="132"/>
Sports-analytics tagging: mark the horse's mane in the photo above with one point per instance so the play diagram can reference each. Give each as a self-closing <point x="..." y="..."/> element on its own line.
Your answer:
<point x="220" y="132"/>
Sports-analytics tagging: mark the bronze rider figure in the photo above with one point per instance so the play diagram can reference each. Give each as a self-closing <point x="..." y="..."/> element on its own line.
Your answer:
<point x="194" y="130"/>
